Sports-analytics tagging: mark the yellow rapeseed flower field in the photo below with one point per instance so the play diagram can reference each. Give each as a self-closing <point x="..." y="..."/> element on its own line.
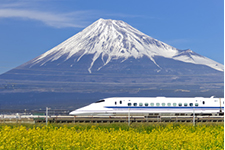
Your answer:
<point x="78" y="137"/>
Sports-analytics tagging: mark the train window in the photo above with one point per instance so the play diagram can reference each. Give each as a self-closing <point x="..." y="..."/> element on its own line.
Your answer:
<point x="129" y="104"/>
<point x="163" y="104"/>
<point x="120" y="102"/>
<point x="157" y="104"/>
<point x="203" y="102"/>
<point x="185" y="104"/>
<point x="190" y="104"/>
<point x="196" y="104"/>
<point x="146" y="104"/>
<point x="168" y="104"/>
<point x="140" y="104"/>
<point x="152" y="104"/>
<point x="180" y="104"/>
<point x="102" y="100"/>
<point x="135" y="104"/>
<point x="215" y="100"/>
<point x="174" y="104"/>
<point x="115" y="103"/>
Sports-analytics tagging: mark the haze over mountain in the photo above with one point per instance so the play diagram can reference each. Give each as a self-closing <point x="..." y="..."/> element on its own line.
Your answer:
<point x="110" y="56"/>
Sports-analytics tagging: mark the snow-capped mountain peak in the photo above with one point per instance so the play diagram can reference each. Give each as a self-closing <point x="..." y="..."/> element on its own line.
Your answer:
<point x="114" y="39"/>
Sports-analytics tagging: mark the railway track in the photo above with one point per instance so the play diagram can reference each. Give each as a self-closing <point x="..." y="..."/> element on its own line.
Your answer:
<point x="114" y="119"/>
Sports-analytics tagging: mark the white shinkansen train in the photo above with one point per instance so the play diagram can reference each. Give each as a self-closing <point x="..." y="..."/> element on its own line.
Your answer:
<point x="148" y="105"/>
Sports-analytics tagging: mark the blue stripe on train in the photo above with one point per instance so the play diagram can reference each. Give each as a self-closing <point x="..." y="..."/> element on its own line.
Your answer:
<point x="144" y="107"/>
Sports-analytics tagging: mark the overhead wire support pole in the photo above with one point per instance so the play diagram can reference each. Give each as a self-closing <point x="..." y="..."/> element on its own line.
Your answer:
<point x="46" y="116"/>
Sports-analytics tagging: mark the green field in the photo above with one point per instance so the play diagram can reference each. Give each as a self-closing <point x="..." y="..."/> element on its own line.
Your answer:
<point x="112" y="136"/>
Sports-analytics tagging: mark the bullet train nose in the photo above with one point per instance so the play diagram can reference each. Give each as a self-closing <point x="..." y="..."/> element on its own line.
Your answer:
<point x="76" y="112"/>
<point x="73" y="113"/>
<point x="89" y="110"/>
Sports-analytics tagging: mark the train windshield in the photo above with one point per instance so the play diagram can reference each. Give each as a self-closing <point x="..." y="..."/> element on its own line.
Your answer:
<point x="102" y="100"/>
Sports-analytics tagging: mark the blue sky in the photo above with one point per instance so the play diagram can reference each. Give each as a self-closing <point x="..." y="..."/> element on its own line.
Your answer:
<point x="29" y="28"/>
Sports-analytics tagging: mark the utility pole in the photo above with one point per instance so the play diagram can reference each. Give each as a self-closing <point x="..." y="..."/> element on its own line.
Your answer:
<point x="46" y="116"/>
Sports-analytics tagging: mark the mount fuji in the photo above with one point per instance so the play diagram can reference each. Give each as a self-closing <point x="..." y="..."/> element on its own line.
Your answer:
<point x="110" y="56"/>
<point x="112" y="40"/>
